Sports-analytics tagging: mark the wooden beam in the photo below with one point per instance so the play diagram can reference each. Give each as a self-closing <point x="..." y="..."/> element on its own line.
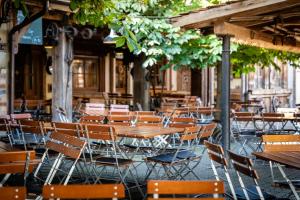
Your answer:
<point x="250" y="37"/>
<point x="220" y="12"/>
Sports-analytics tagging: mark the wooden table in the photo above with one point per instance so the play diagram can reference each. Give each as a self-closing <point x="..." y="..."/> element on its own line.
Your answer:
<point x="287" y="158"/>
<point x="145" y="132"/>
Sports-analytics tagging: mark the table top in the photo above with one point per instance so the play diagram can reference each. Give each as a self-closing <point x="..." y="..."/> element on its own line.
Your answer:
<point x="288" y="158"/>
<point x="285" y="118"/>
<point x="145" y="132"/>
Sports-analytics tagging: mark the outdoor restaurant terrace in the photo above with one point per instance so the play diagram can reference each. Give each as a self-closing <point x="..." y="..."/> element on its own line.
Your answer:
<point x="133" y="138"/>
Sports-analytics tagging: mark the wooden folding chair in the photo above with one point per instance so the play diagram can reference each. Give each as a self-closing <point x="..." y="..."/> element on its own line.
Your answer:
<point x="217" y="156"/>
<point x="167" y="190"/>
<point x="273" y="122"/>
<point x="69" y="150"/>
<point x="244" y="165"/>
<point x="13" y="193"/>
<point x="13" y="162"/>
<point x="245" y="134"/>
<point x="73" y="129"/>
<point x="111" y="156"/>
<point x="14" y="126"/>
<point x="32" y="127"/>
<point x="98" y="191"/>
<point x="175" y="164"/>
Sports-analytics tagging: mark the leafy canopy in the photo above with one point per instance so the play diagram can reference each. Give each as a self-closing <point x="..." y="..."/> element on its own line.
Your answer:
<point x="144" y="27"/>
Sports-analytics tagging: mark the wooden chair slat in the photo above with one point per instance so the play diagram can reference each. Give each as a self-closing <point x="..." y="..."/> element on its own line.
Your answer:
<point x="207" y="130"/>
<point x="240" y="159"/>
<point x="67" y="139"/>
<point x="12" y="156"/>
<point x="15" y="167"/>
<point x="11" y="193"/>
<point x="246" y="171"/>
<point x="62" y="125"/>
<point x="60" y="148"/>
<point x="185" y="187"/>
<point x="218" y="159"/>
<point x="83" y="191"/>
<point x="214" y="147"/>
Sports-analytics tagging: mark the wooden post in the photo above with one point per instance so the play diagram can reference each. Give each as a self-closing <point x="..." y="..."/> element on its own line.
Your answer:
<point x="62" y="81"/>
<point x="141" y="86"/>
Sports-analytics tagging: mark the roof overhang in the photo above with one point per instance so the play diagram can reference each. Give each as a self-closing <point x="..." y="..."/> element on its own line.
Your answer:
<point x="271" y="24"/>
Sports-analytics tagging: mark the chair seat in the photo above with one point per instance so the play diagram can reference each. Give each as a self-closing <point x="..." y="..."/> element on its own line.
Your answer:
<point x="163" y="158"/>
<point x="113" y="161"/>
<point x="186" y="154"/>
<point x="253" y="194"/>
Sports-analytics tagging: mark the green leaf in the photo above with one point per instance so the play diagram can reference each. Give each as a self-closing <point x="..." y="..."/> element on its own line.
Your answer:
<point x="73" y="4"/>
<point x="120" y="41"/>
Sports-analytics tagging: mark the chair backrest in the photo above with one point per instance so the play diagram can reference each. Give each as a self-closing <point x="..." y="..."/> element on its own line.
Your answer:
<point x="76" y="191"/>
<point x="243" y="116"/>
<point x="94" y="107"/>
<point x="119" y="108"/>
<point x="68" y="145"/>
<point x="147" y="113"/>
<point x="149" y="121"/>
<point x="166" y="188"/>
<point x="15" y="161"/>
<point x="243" y="164"/>
<point x="281" y="142"/>
<point x="73" y="129"/>
<point x="182" y="122"/>
<point x="91" y="119"/>
<point x="207" y="131"/>
<point x="32" y="126"/>
<point x="13" y="193"/>
<point x="275" y="115"/>
<point x="99" y="132"/>
<point x="190" y="133"/>
<point x="124" y="120"/>
<point x="216" y="153"/>
<point x="15" y="117"/>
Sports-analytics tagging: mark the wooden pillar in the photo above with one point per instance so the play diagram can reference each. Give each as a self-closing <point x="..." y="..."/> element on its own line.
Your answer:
<point x="211" y="86"/>
<point x="225" y="93"/>
<point x="141" y="86"/>
<point x="62" y="81"/>
<point x="107" y="73"/>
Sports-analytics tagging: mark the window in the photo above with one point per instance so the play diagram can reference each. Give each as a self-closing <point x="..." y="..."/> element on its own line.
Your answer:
<point x="85" y="71"/>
